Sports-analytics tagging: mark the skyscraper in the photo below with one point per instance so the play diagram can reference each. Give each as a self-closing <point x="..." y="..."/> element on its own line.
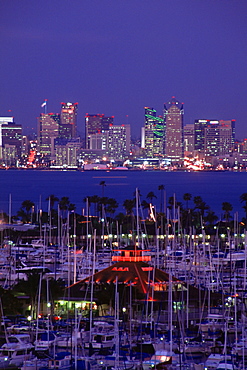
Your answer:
<point x="153" y="134"/>
<point x="219" y="137"/>
<point x="48" y="131"/>
<point x="119" y="141"/>
<point x="96" y="123"/>
<point x="10" y="134"/>
<point x="189" y="138"/>
<point x="173" y="118"/>
<point x="214" y="137"/>
<point x="199" y="127"/>
<point x="68" y="122"/>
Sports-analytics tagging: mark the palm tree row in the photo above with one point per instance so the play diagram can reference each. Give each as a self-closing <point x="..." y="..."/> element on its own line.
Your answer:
<point x="196" y="214"/>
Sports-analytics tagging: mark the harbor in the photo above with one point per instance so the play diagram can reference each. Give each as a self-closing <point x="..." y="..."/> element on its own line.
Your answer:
<point x="172" y="299"/>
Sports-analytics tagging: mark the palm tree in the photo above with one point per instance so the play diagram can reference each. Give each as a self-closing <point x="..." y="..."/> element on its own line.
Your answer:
<point x="103" y="184"/>
<point x="161" y="188"/>
<point x="150" y="196"/>
<point x="200" y="205"/>
<point x="211" y="218"/>
<point x="111" y="205"/>
<point x="243" y="199"/>
<point x="52" y="199"/>
<point x="27" y="206"/>
<point x="129" y="205"/>
<point x="145" y="204"/>
<point x="95" y="199"/>
<point x="227" y="208"/>
<point x="187" y="197"/>
<point x="200" y="208"/>
<point x="64" y="203"/>
<point x="197" y="200"/>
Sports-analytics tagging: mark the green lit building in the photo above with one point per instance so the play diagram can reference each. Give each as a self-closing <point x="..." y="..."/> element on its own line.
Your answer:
<point x="153" y="134"/>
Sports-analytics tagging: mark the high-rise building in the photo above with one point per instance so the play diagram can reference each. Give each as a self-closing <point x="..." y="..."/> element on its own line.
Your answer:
<point x="219" y="138"/>
<point x="119" y="141"/>
<point x="199" y="128"/>
<point x="67" y="155"/>
<point x="9" y="155"/>
<point x="99" y="141"/>
<point x="189" y="138"/>
<point x="153" y="134"/>
<point x="214" y="137"/>
<point x="173" y="118"/>
<point x="230" y="124"/>
<point x="10" y="134"/>
<point x="96" y="123"/>
<point x="48" y="131"/>
<point x="68" y="121"/>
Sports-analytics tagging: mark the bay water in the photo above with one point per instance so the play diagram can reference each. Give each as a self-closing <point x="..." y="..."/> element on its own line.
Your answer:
<point x="36" y="185"/>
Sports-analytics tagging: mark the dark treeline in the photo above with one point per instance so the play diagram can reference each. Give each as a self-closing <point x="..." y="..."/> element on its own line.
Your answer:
<point x="191" y="214"/>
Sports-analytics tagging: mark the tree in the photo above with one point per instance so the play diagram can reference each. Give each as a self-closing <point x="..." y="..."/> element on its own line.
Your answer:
<point x="145" y="204"/>
<point x="243" y="199"/>
<point x="111" y="205"/>
<point x="227" y="208"/>
<point x="211" y="218"/>
<point x="102" y="184"/>
<point x="129" y="205"/>
<point x="161" y="188"/>
<point x="187" y="197"/>
<point x="95" y="199"/>
<point x="150" y="196"/>
<point x="200" y="205"/>
<point x="52" y="199"/>
<point x="65" y="205"/>
<point x="10" y="303"/>
<point x="30" y="288"/>
<point x="27" y="206"/>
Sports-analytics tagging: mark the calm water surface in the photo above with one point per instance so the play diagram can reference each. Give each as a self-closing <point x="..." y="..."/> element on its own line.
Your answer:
<point x="214" y="187"/>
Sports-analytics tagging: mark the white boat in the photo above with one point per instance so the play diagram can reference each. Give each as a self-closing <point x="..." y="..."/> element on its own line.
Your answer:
<point x="214" y="360"/>
<point x="62" y="361"/>
<point x="240" y="348"/>
<point x="17" y="350"/>
<point x="213" y="323"/>
<point x="114" y="362"/>
<point x="45" y="341"/>
<point x="225" y="365"/>
<point x="161" y="357"/>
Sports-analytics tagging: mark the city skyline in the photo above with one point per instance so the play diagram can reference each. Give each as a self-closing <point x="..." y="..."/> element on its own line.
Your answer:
<point x="81" y="127"/>
<point x="117" y="57"/>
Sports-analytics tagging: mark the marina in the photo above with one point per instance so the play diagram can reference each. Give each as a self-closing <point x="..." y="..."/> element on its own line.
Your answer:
<point x="149" y="289"/>
<point x="129" y="302"/>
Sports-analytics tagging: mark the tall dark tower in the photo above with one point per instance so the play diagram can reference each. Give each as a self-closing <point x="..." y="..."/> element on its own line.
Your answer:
<point x="173" y="118"/>
<point x="68" y="120"/>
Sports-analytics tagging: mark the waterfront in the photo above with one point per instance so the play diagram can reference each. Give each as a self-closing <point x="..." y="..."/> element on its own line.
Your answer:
<point x="214" y="187"/>
<point x="183" y="301"/>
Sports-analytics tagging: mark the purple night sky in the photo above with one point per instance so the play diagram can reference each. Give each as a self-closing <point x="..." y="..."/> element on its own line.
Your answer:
<point x="117" y="56"/>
